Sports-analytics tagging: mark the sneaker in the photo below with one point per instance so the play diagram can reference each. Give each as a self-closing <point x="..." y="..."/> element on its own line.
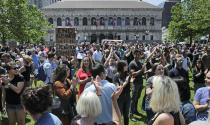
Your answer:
<point x="3" y="115"/>
<point x="132" y="118"/>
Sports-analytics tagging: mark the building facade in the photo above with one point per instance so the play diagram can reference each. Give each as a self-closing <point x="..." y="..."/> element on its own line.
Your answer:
<point x="166" y="18"/>
<point x="42" y="3"/>
<point x="133" y="21"/>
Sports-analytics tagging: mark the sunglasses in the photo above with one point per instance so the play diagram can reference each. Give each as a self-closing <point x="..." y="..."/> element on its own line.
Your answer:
<point x="85" y="60"/>
<point x="15" y="68"/>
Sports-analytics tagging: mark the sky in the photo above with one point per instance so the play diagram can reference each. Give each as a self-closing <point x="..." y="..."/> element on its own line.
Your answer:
<point x="154" y="2"/>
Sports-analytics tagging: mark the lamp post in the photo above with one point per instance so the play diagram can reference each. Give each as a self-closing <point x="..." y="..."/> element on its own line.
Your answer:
<point x="137" y="37"/>
<point x="85" y="38"/>
<point x="51" y="39"/>
<point x="146" y="33"/>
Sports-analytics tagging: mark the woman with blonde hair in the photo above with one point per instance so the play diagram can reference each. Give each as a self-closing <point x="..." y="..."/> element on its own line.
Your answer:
<point x="84" y="74"/>
<point x="165" y="102"/>
<point x="89" y="107"/>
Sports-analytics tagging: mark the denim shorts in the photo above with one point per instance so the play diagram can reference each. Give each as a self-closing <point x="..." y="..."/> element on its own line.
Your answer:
<point x="18" y="107"/>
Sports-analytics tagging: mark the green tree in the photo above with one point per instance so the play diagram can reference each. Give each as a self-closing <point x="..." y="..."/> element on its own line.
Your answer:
<point x="21" y="21"/>
<point x="190" y="19"/>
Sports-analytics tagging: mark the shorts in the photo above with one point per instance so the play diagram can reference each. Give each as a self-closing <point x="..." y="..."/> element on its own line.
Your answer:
<point x="17" y="107"/>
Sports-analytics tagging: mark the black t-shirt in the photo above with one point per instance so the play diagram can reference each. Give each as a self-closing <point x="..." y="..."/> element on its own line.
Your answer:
<point x="129" y="58"/>
<point x="11" y="96"/>
<point x="136" y="66"/>
<point x="199" y="79"/>
<point x="120" y="80"/>
<point x="176" y="72"/>
<point x="27" y="72"/>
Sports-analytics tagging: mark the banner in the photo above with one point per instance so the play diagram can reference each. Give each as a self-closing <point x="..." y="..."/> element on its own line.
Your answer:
<point x="65" y="41"/>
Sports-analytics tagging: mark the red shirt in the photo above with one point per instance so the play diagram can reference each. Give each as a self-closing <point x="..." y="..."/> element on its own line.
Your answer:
<point x="82" y="75"/>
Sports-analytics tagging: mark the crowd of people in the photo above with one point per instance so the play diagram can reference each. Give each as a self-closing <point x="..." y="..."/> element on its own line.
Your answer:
<point x="103" y="83"/>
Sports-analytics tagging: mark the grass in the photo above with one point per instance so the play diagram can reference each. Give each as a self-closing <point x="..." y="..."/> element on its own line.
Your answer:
<point x="141" y="120"/>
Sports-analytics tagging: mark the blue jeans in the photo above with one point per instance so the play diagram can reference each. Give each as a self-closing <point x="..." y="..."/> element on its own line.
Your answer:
<point x="18" y="107"/>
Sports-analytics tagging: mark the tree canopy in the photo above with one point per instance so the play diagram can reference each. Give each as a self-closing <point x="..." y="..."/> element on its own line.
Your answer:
<point x="21" y="21"/>
<point x="190" y="19"/>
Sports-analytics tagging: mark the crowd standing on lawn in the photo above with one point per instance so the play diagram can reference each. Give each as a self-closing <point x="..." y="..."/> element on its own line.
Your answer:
<point x="106" y="75"/>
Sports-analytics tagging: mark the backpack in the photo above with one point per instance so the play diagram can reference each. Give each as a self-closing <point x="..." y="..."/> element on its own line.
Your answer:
<point x="41" y="73"/>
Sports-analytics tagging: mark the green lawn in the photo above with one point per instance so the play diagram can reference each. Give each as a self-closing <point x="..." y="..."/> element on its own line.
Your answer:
<point x="141" y="119"/>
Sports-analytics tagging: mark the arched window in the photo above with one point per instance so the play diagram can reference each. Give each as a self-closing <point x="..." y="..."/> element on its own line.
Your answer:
<point x="59" y="22"/>
<point x="67" y="21"/>
<point x="135" y="21"/>
<point x="127" y="21"/>
<point x="102" y="21"/>
<point x="144" y="21"/>
<point x="93" y="38"/>
<point x="50" y="20"/>
<point x="110" y="36"/>
<point x="93" y="21"/>
<point x="119" y="22"/>
<point x="84" y="21"/>
<point x="76" y="21"/>
<point x="152" y="21"/>
<point x="143" y="37"/>
<point x="101" y="37"/>
<point x="110" y="21"/>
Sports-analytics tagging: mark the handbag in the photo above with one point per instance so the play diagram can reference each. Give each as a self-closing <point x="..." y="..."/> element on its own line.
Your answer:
<point x="56" y="103"/>
<point x="60" y="106"/>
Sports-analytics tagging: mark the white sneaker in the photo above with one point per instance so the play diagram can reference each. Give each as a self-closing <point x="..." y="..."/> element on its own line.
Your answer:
<point x="3" y="115"/>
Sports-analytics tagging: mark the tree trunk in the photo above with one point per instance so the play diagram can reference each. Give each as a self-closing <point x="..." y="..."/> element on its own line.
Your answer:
<point x="191" y="39"/>
<point x="3" y="40"/>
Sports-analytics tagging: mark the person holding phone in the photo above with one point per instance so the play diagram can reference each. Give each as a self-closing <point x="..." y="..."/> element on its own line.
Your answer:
<point x="84" y="74"/>
<point x="122" y="78"/>
<point x="110" y="65"/>
<point x="15" y="83"/>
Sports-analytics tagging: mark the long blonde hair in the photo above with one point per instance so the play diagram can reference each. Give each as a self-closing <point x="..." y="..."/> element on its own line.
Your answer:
<point x="165" y="95"/>
<point x="82" y="64"/>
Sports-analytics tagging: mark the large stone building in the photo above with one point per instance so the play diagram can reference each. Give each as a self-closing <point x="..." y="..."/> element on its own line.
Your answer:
<point x="42" y="3"/>
<point x="166" y="17"/>
<point x="128" y="20"/>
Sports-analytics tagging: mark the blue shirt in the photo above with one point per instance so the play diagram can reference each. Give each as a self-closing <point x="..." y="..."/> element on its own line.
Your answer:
<point x="48" y="119"/>
<point x="201" y="96"/>
<point x="49" y="66"/>
<point x="106" y="101"/>
<point x="35" y="59"/>
<point x="188" y="111"/>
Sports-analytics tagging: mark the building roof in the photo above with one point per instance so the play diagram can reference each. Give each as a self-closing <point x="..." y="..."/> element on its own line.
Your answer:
<point x="101" y="5"/>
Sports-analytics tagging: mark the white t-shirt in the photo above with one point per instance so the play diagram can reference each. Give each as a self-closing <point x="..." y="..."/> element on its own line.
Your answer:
<point x="97" y="55"/>
<point x="80" y="55"/>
